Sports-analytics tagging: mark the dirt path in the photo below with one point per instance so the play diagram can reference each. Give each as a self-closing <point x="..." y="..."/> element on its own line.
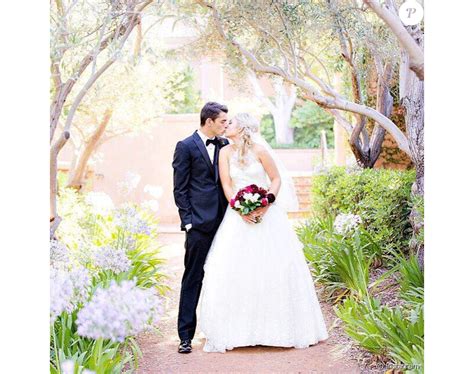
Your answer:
<point x="160" y="351"/>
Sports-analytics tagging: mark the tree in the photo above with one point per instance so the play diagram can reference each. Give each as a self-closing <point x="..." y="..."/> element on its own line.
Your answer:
<point x="280" y="108"/>
<point x="358" y="41"/>
<point x="278" y="38"/>
<point x="411" y="39"/>
<point x="82" y="34"/>
<point x="126" y="100"/>
<point x="409" y="44"/>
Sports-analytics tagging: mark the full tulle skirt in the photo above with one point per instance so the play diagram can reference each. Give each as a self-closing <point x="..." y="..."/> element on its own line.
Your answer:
<point x="257" y="288"/>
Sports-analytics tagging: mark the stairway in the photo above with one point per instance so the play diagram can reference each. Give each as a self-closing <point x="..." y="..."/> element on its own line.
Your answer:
<point x="303" y="183"/>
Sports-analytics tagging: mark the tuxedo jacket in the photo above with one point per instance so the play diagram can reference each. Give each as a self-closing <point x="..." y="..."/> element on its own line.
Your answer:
<point x="197" y="190"/>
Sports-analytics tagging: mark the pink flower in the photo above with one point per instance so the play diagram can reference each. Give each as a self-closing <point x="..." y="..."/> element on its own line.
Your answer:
<point x="232" y="203"/>
<point x="264" y="201"/>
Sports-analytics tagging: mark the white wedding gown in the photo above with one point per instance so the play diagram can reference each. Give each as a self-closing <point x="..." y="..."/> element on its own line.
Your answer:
<point x="257" y="288"/>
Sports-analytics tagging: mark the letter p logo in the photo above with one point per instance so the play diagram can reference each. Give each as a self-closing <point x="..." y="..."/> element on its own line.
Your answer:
<point x="411" y="13"/>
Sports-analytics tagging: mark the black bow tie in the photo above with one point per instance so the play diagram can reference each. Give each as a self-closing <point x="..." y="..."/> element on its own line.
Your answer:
<point x="213" y="141"/>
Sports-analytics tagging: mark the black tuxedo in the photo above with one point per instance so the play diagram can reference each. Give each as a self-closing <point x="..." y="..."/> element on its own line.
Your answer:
<point x="201" y="202"/>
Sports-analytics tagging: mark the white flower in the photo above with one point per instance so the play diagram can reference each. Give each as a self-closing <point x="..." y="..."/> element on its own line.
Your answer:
<point x="60" y="292"/>
<point x="81" y="281"/>
<point x="255" y="197"/>
<point x="346" y="223"/>
<point x="58" y="254"/>
<point x="129" y="220"/>
<point x="129" y="183"/>
<point x="151" y="204"/>
<point x="119" y="311"/>
<point x="248" y="196"/>
<point x="68" y="289"/>
<point x="237" y="204"/>
<point x="108" y="258"/>
<point x="101" y="202"/>
<point x="68" y="367"/>
<point x="154" y="191"/>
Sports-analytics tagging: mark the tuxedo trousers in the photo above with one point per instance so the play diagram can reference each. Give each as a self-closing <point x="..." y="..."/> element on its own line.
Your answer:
<point x="197" y="245"/>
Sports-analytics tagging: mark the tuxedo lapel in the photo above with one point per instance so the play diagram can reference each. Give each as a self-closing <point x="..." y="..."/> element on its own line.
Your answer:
<point x="216" y="163"/>
<point x="203" y="150"/>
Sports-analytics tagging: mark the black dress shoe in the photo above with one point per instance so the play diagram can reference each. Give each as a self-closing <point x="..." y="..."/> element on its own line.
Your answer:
<point x="185" y="346"/>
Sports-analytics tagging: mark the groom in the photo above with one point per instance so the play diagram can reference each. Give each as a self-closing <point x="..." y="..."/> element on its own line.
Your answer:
<point x="201" y="205"/>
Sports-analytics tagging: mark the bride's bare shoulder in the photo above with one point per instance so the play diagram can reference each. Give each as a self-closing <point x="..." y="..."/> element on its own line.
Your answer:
<point x="260" y="150"/>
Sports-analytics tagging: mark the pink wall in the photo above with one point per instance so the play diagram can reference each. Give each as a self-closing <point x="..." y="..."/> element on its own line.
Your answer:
<point x="150" y="156"/>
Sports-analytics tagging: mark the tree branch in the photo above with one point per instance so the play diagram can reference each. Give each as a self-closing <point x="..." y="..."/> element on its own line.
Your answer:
<point x="336" y="102"/>
<point x="406" y="40"/>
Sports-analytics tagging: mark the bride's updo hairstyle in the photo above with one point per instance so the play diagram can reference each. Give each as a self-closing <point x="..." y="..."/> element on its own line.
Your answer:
<point x="247" y="125"/>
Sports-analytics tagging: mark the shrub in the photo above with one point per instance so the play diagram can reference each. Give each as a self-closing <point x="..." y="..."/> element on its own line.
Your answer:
<point x="101" y="248"/>
<point x="397" y="333"/>
<point x="372" y="209"/>
<point x="380" y="197"/>
<point x="339" y="261"/>
<point x="411" y="281"/>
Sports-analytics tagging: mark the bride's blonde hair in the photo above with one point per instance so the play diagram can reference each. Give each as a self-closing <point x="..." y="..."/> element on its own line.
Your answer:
<point x="247" y="125"/>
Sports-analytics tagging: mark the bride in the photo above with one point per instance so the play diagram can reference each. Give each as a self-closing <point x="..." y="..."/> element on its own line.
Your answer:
<point x="257" y="288"/>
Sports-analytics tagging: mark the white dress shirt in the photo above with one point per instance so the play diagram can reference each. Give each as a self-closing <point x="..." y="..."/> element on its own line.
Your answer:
<point x="210" y="148"/>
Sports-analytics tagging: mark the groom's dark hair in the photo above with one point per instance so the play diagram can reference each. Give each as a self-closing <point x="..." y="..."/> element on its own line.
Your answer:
<point x="212" y="110"/>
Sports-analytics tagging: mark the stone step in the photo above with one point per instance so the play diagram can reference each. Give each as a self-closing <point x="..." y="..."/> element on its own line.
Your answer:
<point x="303" y="181"/>
<point x="304" y="197"/>
<point x="299" y="215"/>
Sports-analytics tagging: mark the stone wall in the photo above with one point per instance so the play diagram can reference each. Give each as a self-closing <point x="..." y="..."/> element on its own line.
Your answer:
<point x="150" y="155"/>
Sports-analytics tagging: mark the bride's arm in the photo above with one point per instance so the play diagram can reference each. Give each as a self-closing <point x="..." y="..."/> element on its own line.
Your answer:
<point x="271" y="170"/>
<point x="226" y="182"/>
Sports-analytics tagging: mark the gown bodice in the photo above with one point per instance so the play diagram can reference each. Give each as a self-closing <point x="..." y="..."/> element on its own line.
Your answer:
<point x="251" y="172"/>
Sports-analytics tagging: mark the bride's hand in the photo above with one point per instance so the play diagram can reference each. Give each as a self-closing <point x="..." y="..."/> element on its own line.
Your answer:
<point x="248" y="218"/>
<point x="260" y="212"/>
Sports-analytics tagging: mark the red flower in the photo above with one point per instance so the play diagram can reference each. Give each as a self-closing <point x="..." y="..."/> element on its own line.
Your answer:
<point x="232" y="203"/>
<point x="262" y="192"/>
<point x="264" y="201"/>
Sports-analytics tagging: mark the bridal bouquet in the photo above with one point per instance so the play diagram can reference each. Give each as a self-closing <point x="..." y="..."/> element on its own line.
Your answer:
<point x="249" y="198"/>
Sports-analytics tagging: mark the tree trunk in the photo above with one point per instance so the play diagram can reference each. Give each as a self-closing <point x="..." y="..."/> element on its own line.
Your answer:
<point x="281" y="109"/>
<point x="54" y="219"/>
<point x="120" y="35"/>
<point x="412" y="100"/>
<point x="385" y="106"/>
<point x="284" y="103"/>
<point x="366" y="156"/>
<point x="284" y="134"/>
<point x="324" y="149"/>
<point x="77" y="174"/>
